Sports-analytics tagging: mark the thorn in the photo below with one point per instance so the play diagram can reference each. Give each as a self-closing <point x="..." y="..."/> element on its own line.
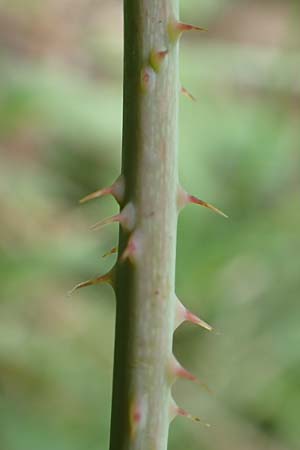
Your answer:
<point x="132" y="248"/>
<point x="96" y="194"/>
<point x="156" y="59"/>
<point x="107" y="221"/>
<point x="117" y="190"/>
<point x="187" y="94"/>
<point x="190" y="317"/>
<point x="197" y="201"/>
<point x="188" y="27"/>
<point x="107" y="278"/>
<point x="176" y="411"/>
<point x="148" y="78"/>
<point x="184" y="315"/>
<point x="112" y="251"/>
<point x="177" y="371"/>
<point x="183" y="199"/>
<point x="183" y="413"/>
<point x="181" y="372"/>
<point x="126" y="218"/>
<point x="129" y="251"/>
<point x="175" y="29"/>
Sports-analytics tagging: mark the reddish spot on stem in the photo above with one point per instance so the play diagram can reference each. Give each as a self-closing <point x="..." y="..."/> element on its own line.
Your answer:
<point x="148" y="78"/>
<point x="135" y="418"/>
<point x="161" y="55"/>
<point x="157" y="58"/>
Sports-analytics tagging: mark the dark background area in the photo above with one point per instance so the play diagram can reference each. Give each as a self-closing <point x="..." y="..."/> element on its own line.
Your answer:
<point x="60" y="138"/>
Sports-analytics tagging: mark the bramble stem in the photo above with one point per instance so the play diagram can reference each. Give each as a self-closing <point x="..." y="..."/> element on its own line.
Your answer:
<point x="145" y="280"/>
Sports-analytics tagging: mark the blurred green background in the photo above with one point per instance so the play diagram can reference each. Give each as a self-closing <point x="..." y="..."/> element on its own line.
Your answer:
<point x="60" y="137"/>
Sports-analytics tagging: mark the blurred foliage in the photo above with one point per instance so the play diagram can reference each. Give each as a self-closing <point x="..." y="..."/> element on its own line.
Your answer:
<point x="60" y="137"/>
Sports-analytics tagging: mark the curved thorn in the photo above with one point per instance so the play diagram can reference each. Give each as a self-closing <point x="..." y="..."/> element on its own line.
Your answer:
<point x="197" y="201"/>
<point x="106" y="278"/>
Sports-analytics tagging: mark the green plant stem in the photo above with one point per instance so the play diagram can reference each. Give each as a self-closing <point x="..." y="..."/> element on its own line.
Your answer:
<point x="145" y="283"/>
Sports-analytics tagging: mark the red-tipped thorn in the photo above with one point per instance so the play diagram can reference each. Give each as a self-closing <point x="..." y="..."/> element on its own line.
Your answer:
<point x="184" y="199"/>
<point x="175" y="29"/>
<point x="197" y="201"/>
<point x="181" y="372"/>
<point x="110" y="252"/>
<point x="177" y="371"/>
<point x="187" y="94"/>
<point x="184" y="314"/>
<point x="117" y="190"/>
<point x="190" y="317"/>
<point x="107" y="278"/>
<point x="175" y="411"/>
<point x="183" y="413"/>
<point x="181" y="27"/>
<point x="156" y="59"/>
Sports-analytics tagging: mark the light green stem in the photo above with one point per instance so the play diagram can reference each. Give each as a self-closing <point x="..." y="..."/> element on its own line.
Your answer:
<point x="145" y="283"/>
